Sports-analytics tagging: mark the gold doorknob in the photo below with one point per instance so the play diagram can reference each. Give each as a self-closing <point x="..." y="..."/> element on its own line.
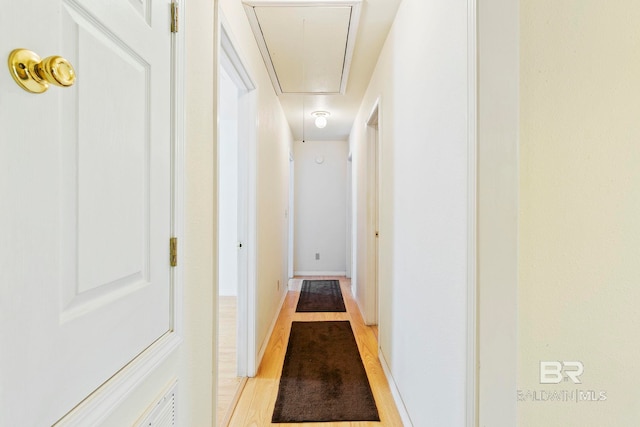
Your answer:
<point x="34" y="75"/>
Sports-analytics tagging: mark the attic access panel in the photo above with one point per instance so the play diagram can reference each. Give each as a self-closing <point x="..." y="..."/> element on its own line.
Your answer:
<point x="306" y="46"/>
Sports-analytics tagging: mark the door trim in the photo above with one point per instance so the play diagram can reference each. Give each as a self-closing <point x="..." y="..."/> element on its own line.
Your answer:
<point x="247" y="351"/>
<point x="96" y="407"/>
<point x="472" y="212"/>
<point x="374" y="174"/>
<point x="290" y="218"/>
<point x="497" y="43"/>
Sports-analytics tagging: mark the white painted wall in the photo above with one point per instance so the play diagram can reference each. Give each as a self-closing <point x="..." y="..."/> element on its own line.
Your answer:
<point x="198" y="353"/>
<point x="228" y="188"/>
<point x="421" y="79"/>
<point x="320" y="207"/>
<point x="274" y="143"/>
<point x="579" y="281"/>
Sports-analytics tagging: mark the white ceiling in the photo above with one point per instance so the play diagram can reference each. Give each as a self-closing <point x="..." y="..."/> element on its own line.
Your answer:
<point x="307" y="47"/>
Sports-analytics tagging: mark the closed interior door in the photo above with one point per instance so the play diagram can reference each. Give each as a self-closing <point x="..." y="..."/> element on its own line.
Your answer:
<point x="85" y="283"/>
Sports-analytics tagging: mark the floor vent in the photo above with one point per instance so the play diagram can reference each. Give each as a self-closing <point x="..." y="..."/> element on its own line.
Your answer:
<point x="163" y="412"/>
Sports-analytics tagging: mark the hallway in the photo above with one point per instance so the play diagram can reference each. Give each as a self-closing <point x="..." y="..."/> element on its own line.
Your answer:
<point x="257" y="401"/>
<point x="482" y="162"/>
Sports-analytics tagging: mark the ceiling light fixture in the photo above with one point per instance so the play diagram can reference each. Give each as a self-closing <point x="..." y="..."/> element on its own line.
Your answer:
<point x="321" y="118"/>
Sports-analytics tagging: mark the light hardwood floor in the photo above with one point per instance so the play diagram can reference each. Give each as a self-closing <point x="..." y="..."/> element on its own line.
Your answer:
<point x="229" y="384"/>
<point x="257" y="400"/>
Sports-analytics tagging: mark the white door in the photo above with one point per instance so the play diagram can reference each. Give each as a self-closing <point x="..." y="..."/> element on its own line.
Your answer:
<point x="85" y="196"/>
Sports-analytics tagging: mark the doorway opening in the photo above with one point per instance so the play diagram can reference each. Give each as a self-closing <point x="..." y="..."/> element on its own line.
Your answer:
<point x="373" y="214"/>
<point x="236" y="229"/>
<point x="290" y="217"/>
<point x="349" y="219"/>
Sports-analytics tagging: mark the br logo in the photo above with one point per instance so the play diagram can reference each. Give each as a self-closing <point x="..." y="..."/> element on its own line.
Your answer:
<point x="554" y="372"/>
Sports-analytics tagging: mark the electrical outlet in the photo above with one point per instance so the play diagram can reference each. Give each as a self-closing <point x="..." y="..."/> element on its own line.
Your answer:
<point x="317" y="256"/>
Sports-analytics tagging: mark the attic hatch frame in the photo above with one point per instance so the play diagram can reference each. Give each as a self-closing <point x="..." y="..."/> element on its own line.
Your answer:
<point x="355" y="5"/>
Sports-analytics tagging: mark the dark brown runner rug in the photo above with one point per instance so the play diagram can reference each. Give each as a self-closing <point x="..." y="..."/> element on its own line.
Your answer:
<point x="320" y="295"/>
<point x="323" y="378"/>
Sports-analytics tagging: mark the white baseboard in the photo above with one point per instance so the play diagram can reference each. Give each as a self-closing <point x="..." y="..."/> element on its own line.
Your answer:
<point x="404" y="414"/>
<point x="265" y="343"/>
<point x="320" y="273"/>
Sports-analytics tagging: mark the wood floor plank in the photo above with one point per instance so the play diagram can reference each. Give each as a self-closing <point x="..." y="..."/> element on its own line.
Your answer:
<point x="257" y="401"/>
<point x="229" y="384"/>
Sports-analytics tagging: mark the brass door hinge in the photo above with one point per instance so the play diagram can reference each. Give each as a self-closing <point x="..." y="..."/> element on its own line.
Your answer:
<point x="173" y="251"/>
<point x="174" y="17"/>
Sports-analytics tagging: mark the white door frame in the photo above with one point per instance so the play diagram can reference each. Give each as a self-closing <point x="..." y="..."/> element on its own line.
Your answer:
<point x="496" y="39"/>
<point x="373" y="215"/>
<point x="231" y="61"/>
<point x="290" y="216"/>
<point x="349" y="216"/>
<point x="472" y="214"/>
